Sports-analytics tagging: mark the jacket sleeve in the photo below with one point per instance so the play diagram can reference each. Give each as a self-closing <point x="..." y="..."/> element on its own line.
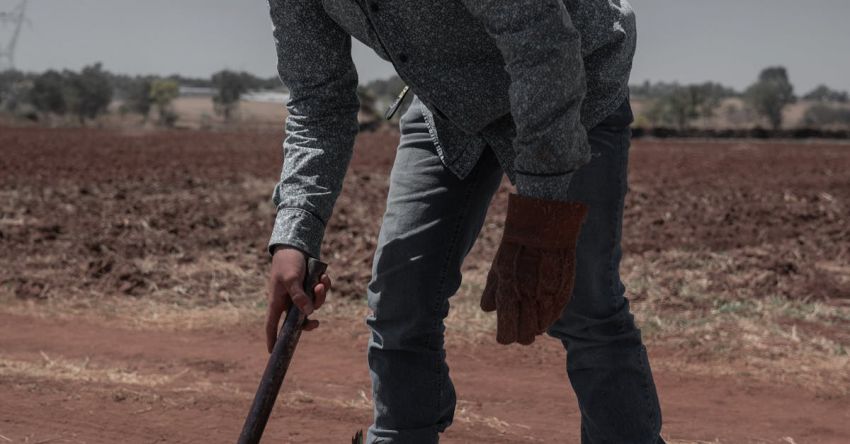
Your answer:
<point x="314" y="62"/>
<point x="542" y="53"/>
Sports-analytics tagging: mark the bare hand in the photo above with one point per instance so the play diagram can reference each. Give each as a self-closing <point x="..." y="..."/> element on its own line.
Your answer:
<point x="286" y="280"/>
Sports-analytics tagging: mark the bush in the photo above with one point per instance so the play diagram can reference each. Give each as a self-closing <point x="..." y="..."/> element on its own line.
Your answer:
<point x="771" y="93"/>
<point x="162" y="94"/>
<point x="139" y="98"/>
<point x="680" y="105"/>
<point x="824" y="93"/>
<point x="231" y="85"/>
<point x="89" y="93"/>
<point x="824" y="115"/>
<point x="48" y="93"/>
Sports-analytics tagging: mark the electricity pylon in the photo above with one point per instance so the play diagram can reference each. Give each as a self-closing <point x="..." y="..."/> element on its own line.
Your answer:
<point x="16" y="17"/>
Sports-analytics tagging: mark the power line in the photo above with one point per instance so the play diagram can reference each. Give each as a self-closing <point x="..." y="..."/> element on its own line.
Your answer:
<point x="16" y="17"/>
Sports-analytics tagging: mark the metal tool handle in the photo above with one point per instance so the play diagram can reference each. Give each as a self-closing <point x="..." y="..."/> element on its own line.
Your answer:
<point x="281" y="356"/>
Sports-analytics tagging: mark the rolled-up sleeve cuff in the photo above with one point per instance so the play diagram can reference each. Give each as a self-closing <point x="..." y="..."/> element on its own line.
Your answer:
<point x="549" y="187"/>
<point x="297" y="228"/>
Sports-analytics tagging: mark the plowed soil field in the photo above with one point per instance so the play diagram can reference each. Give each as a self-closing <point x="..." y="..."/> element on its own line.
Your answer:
<point x="132" y="291"/>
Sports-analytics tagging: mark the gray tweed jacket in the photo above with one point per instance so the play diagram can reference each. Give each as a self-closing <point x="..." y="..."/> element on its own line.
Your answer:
<point x="526" y="77"/>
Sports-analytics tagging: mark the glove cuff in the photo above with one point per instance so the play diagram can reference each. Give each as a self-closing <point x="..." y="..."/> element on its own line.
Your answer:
<point x="542" y="223"/>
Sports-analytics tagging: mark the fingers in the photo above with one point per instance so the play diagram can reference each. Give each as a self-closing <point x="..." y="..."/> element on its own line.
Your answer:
<point x="528" y="326"/>
<point x="507" y="328"/>
<point x="569" y="283"/>
<point x="272" y="329"/>
<point x="300" y="299"/>
<point x="549" y="309"/>
<point x="551" y="275"/>
<point x="310" y="325"/>
<point x="556" y="308"/>
<point x="321" y="291"/>
<point x="286" y="282"/>
<point x="276" y="308"/>
<point x="488" y="298"/>
<point x="554" y="287"/>
<point x="545" y="318"/>
<point x="282" y="294"/>
<point x="564" y="294"/>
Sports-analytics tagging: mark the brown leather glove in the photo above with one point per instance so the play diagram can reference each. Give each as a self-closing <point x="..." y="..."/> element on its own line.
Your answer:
<point x="531" y="278"/>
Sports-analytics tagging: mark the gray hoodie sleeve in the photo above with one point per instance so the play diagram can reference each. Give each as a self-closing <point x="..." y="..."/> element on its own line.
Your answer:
<point x="314" y="62"/>
<point x="542" y="53"/>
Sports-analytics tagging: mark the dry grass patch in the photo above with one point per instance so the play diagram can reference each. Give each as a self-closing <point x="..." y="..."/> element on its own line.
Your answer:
<point x="711" y="309"/>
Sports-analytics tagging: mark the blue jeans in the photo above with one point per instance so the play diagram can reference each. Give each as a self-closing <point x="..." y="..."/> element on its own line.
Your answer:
<point x="431" y="222"/>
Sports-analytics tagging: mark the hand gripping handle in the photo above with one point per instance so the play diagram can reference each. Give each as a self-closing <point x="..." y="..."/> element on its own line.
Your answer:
<point x="279" y="361"/>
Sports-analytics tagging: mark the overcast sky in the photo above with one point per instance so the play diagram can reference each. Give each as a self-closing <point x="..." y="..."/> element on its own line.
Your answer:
<point x="679" y="40"/>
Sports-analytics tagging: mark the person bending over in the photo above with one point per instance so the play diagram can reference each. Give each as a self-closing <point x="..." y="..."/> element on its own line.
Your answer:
<point x="533" y="89"/>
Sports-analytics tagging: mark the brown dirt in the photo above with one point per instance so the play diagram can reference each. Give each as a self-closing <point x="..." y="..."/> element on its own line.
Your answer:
<point x="110" y="384"/>
<point x="131" y="280"/>
<point x="100" y="199"/>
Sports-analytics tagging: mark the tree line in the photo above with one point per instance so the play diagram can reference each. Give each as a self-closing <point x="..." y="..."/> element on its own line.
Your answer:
<point x="88" y="93"/>
<point x="680" y="106"/>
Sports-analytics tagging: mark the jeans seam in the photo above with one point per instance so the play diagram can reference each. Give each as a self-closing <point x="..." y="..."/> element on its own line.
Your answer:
<point x="453" y="240"/>
<point x="613" y="284"/>
<point x="646" y="382"/>
<point x="642" y="362"/>
<point x="610" y="274"/>
<point x="444" y="270"/>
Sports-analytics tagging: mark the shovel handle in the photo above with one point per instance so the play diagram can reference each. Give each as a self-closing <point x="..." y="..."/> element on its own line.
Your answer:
<point x="279" y="361"/>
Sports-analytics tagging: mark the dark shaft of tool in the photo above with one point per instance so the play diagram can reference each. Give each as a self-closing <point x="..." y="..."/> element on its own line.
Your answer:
<point x="279" y="361"/>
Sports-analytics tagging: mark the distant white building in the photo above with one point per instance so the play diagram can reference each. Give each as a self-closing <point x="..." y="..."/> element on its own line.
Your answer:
<point x="264" y="96"/>
<point x="197" y="91"/>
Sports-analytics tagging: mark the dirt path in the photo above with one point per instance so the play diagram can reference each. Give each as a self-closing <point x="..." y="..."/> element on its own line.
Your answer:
<point x="71" y="381"/>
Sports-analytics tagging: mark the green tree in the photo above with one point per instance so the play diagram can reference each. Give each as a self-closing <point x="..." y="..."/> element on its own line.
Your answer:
<point x="680" y="105"/>
<point x="140" y="96"/>
<point x="771" y="94"/>
<point x="163" y="93"/>
<point x="231" y="85"/>
<point x="673" y="109"/>
<point x="89" y="92"/>
<point x="823" y="93"/>
<point x="48" y="93"/>
<point x="708" y="98"/>
<point x="821" y="115"/>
